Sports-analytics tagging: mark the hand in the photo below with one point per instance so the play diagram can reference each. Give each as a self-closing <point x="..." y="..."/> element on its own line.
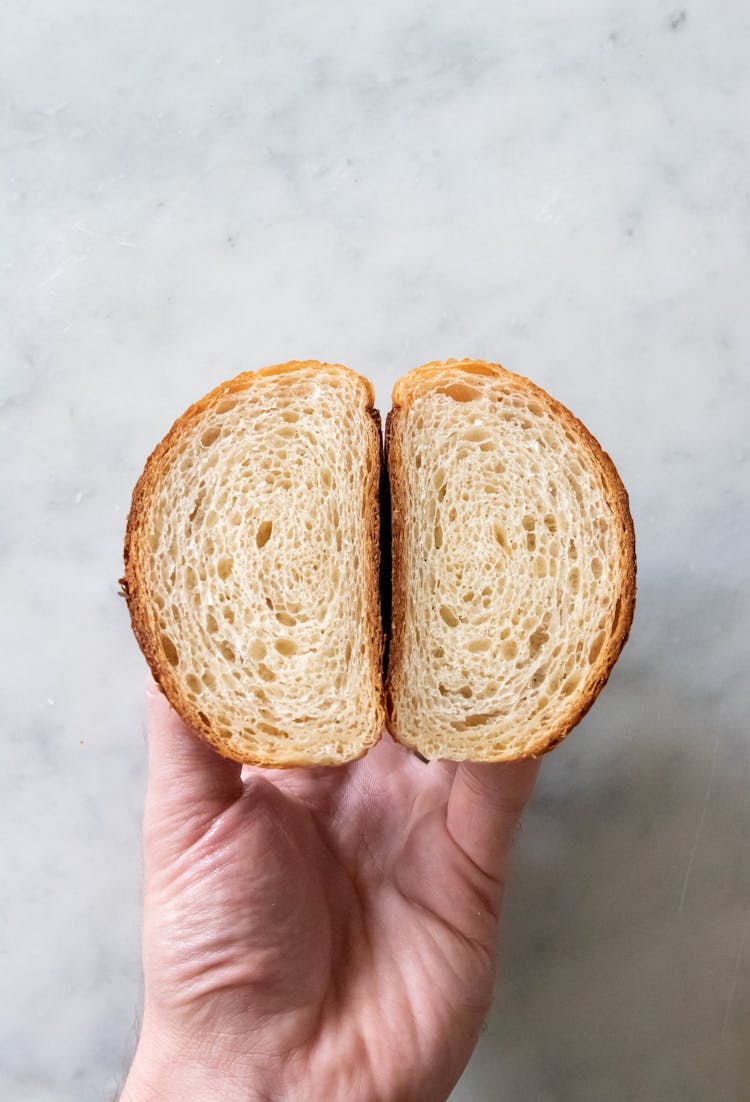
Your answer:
<point x="316" y="935"/>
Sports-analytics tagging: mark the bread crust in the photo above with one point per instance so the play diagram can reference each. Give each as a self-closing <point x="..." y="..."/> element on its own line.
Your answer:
<point x="136" y="551"/>
<point x="423" y="380"/>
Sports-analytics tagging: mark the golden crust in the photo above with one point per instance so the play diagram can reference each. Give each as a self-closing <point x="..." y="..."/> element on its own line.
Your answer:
<point x="142" y="616"/>
<point x="424" y="379"/>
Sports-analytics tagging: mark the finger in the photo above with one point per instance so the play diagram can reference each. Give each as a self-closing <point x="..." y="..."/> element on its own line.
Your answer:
<point x="186" y="778"/>
<point x="484" y="806"/>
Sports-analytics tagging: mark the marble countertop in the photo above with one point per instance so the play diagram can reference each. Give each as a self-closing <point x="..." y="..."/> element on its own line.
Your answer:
<point x="189" y="190"/>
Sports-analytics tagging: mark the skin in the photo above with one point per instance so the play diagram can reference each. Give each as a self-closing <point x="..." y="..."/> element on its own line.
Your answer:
<point x="317" y="934"/>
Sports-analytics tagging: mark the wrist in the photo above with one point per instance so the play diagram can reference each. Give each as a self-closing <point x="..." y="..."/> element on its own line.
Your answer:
<point x="160" y="1073"/>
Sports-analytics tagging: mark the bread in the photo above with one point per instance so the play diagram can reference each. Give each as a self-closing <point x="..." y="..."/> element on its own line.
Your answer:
<point x="513" y="565"/>
<point x="251" y="566"/>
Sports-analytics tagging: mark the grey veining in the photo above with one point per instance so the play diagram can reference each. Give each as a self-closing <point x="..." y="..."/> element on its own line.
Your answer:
<point x="188" y="190"/>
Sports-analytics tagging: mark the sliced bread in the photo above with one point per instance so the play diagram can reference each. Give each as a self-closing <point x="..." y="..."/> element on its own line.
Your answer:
<point x="513" y="565"/>
<point x="251" y="566"/>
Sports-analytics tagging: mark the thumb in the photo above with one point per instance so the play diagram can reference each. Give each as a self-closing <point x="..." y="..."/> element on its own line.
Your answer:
<point x="188" y="782"/>
<point x="484" y="806"/>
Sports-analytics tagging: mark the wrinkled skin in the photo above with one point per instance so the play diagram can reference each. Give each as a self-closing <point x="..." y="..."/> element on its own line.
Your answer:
<point x="324" y="934"/>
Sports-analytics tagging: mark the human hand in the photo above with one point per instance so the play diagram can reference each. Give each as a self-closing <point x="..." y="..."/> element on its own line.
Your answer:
<point x="316" y="935"/>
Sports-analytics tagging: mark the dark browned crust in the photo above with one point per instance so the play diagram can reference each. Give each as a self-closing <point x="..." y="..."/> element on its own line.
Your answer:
<point x="422" y="380"/>
<point x="136" y="552"/>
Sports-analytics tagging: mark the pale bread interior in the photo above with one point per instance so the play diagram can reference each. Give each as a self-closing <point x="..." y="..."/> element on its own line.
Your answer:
<point x="255" y="564"/>
<point x="513" y="568"/>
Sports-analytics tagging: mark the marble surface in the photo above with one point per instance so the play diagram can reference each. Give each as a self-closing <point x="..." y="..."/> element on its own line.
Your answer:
<point x="192" y="189"/>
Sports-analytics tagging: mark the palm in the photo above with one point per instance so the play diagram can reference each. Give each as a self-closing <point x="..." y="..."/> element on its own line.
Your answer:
<point x="335" y="926"/>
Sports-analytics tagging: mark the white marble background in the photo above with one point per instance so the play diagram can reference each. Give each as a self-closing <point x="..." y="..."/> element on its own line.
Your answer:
<point x="189" y="189"/>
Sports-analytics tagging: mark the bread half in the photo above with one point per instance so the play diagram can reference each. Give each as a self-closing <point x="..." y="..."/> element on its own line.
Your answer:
<point x="251" y="566"/>
<point x="513" y="565"/>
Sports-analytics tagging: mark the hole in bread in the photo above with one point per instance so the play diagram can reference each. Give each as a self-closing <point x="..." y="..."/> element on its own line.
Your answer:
<point x="257" y="649"/>
<point x="537" y="641"/>
<point x="228" y="614"/>
<point x="273" y="732"/>
<point x="596" y="647"/>
<point x="476" y="720"/>
<point x="203" y="718"/>
<point x="286" y="619"/>
<point x="441" y="492"/>
<point x="571" y="684"/>
<point x="290" y="416"/>
<point x="211" y="520"/>
<point x="478" y="646"/>
<point x="193" y="683"/>
<point x="480" y="369"/>
<point x="199" y="499"/>
<point x="500" y="536"/>
<point x="540" y="567"/>
<point x="263" y="535"/>
<point x="466" y="692"/>
<point x="211" y="622"/>
<point x="191" y="580"/>
<point x="460" y="392"/>
<point x="438" y="652"/>
<point x="531" y="541"/>
<point x="153" y="540"/>
<point x="265" y="673"/>
<point x="210" y="436"/>
<point x="550" y="523"/>
<point x="170" y="650"/>
<point x="227" y="651"/>
<point x="529" y="523"/>
<point x="438" y="537"/>
<point x="509" y="649"/>
<point x="476" y="434"/>
<point x="449" y="616"/>
<point x="538" y="676"/>
<point x="208" y="679"/>
<point x="596" y="568"/>
<point x="225" y="405"/>
<point x="574" y="580"/>
<point x="224" y="566"/>
<point x="418" y="461"/>
<point x="286" y="647"/>
<point x="616" y="616"/>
